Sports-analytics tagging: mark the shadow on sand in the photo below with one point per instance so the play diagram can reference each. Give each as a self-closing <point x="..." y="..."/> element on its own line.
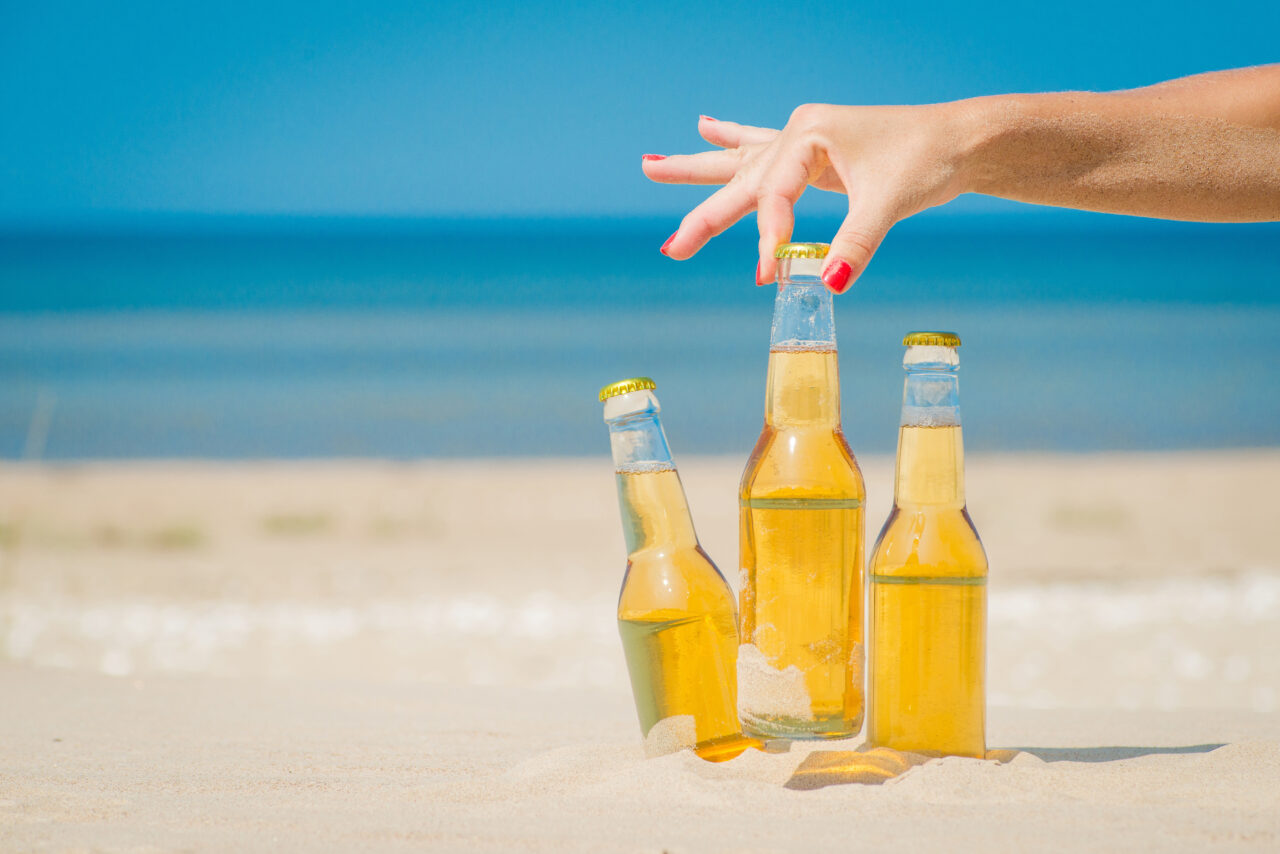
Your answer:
<point x="871" y="766"/>
<point x="1103" y="754"/>
<point x="868" y="766"/>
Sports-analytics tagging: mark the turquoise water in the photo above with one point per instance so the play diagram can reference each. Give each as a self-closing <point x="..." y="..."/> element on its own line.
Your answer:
<point x="404" y="339"/>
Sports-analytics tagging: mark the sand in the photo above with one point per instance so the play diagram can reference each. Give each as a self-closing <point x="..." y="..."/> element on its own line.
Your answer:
<point x="325" y="656"/>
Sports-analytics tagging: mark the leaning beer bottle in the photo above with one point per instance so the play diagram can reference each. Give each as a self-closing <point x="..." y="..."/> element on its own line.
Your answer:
<point x="929" y="575"/>
<point x="800" y="666"/>
<point x="676" y="613"/>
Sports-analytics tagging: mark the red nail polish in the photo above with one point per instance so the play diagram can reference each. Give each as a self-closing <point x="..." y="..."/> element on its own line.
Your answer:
<point x="653" y="157"/>
<point x="708" y="118"/>
<point x="836" y="277"/>
<point x="759" y="264"/>
<point x="663" y="250"/>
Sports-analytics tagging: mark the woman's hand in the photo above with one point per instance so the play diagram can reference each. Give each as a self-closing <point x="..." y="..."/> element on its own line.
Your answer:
<point x="890" y="161"/>
<point x="1201" y="148"/>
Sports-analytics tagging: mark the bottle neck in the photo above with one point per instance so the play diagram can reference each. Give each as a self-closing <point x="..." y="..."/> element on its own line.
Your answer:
<point x="930" y="469"/>
<point x="655" y="513"/>
<point x="803" y="314"/>
<point x="803" y="386"/>
<point x="638" y="442"/>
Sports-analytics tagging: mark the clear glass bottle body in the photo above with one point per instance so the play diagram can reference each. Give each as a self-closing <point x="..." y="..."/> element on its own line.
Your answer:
<point x="928" y="575"/>
<point x="676" y="614"/>
<point x="801" y="534"/>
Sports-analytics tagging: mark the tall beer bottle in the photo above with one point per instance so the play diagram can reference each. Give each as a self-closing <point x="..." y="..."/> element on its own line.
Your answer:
<point x="929" y="575"/>
<point x="801" y="528"/>
<point x="675" y="612"/>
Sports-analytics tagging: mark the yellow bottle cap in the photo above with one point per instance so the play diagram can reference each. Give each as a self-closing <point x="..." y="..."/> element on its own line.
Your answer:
<point x="802" y="250"/>
<point x="931" y="339"/>
<point x="626" y="387"/>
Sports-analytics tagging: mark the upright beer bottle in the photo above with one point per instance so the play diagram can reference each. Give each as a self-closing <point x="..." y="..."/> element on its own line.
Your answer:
<point x="929" y="575"/>
<point x="801" y="527"/>
<point x="675" y="612"/>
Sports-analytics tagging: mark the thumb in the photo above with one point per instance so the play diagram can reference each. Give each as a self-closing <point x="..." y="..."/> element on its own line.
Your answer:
<point x="851" y="249"/>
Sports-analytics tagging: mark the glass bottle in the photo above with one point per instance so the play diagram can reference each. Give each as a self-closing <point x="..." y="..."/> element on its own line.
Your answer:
<point x="800" y="666"/>
<point x="928" y="575"/>
<point x="676" y="613"/>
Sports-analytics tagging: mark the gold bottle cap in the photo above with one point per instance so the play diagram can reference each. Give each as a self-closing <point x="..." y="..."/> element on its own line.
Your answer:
<point x="626" y="387"/>
<point x="802" y="250"/>
<point x="931" y="339"/>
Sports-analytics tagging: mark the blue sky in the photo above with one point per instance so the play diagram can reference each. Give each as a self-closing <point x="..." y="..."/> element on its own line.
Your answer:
<point x="484" y="109"/>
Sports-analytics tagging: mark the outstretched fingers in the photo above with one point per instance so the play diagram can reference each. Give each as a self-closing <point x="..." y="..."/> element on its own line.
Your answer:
<point x="721" y="209"/>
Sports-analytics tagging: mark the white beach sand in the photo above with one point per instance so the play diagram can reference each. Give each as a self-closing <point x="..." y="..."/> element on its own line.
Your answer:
<point x="355" y="654"/>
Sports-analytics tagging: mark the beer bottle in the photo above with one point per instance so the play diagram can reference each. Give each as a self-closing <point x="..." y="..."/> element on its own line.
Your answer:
<point x="675" y="612"/>
<point x="928" y="575"/>
<point x="800" y="666"/>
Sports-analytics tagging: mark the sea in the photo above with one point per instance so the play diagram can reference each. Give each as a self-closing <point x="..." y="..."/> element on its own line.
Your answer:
<point x="233" y="338"/>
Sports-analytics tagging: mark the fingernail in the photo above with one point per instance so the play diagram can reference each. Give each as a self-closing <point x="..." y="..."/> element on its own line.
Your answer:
<point x="836" y="276"/>
<point x="708" y="118"/>
<point x="663" y="250"/>
<point x="653" y="157"/>
<point x="759" y="264"/>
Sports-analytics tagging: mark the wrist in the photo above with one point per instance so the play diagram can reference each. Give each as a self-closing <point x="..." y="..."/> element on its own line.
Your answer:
<point x="973" y="127"/>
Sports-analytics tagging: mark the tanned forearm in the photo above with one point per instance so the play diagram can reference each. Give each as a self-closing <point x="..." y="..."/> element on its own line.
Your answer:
<point x="1203" y="148"/>
<point x="1200" y="148"/>
<point x="1241" y="96"/>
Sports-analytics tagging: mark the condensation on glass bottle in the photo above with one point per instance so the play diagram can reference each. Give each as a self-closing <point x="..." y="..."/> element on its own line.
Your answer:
<point x="676" y="613"/>
<point x="928" y="575"/>
<point x="800" y="666"/>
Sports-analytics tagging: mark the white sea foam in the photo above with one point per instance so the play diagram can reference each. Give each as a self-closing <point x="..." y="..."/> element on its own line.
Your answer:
<point x="1204" y="641"/>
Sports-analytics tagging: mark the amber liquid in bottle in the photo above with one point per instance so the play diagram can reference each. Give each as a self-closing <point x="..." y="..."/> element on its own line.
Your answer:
<point x="801" y="534"/>
<point x="678" y="625"/>
<point x="676" y="613"/>
<point x="928" y="578"/>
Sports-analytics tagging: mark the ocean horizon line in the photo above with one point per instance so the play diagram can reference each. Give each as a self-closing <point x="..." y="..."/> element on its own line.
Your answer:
<point x="1019" y="219"/>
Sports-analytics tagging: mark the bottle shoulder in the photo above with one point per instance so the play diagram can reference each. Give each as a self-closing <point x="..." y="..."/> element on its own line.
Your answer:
<point x="684" y="580"/>
<point x="929" y="540"/>
<point x="802" y="462"/>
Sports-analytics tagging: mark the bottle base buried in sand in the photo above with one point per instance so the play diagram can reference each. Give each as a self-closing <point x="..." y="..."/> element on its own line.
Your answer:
<point x="784" y="693"/>
<point x="679" y="665"/>
<point x="801" y="729"/>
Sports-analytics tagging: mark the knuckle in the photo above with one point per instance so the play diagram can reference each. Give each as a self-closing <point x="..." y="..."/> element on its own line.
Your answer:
<point x="858" y="242"/>
<point x="698" y="223"/>
<point x="807" y="117"/>
<point x="773" y="201"/>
